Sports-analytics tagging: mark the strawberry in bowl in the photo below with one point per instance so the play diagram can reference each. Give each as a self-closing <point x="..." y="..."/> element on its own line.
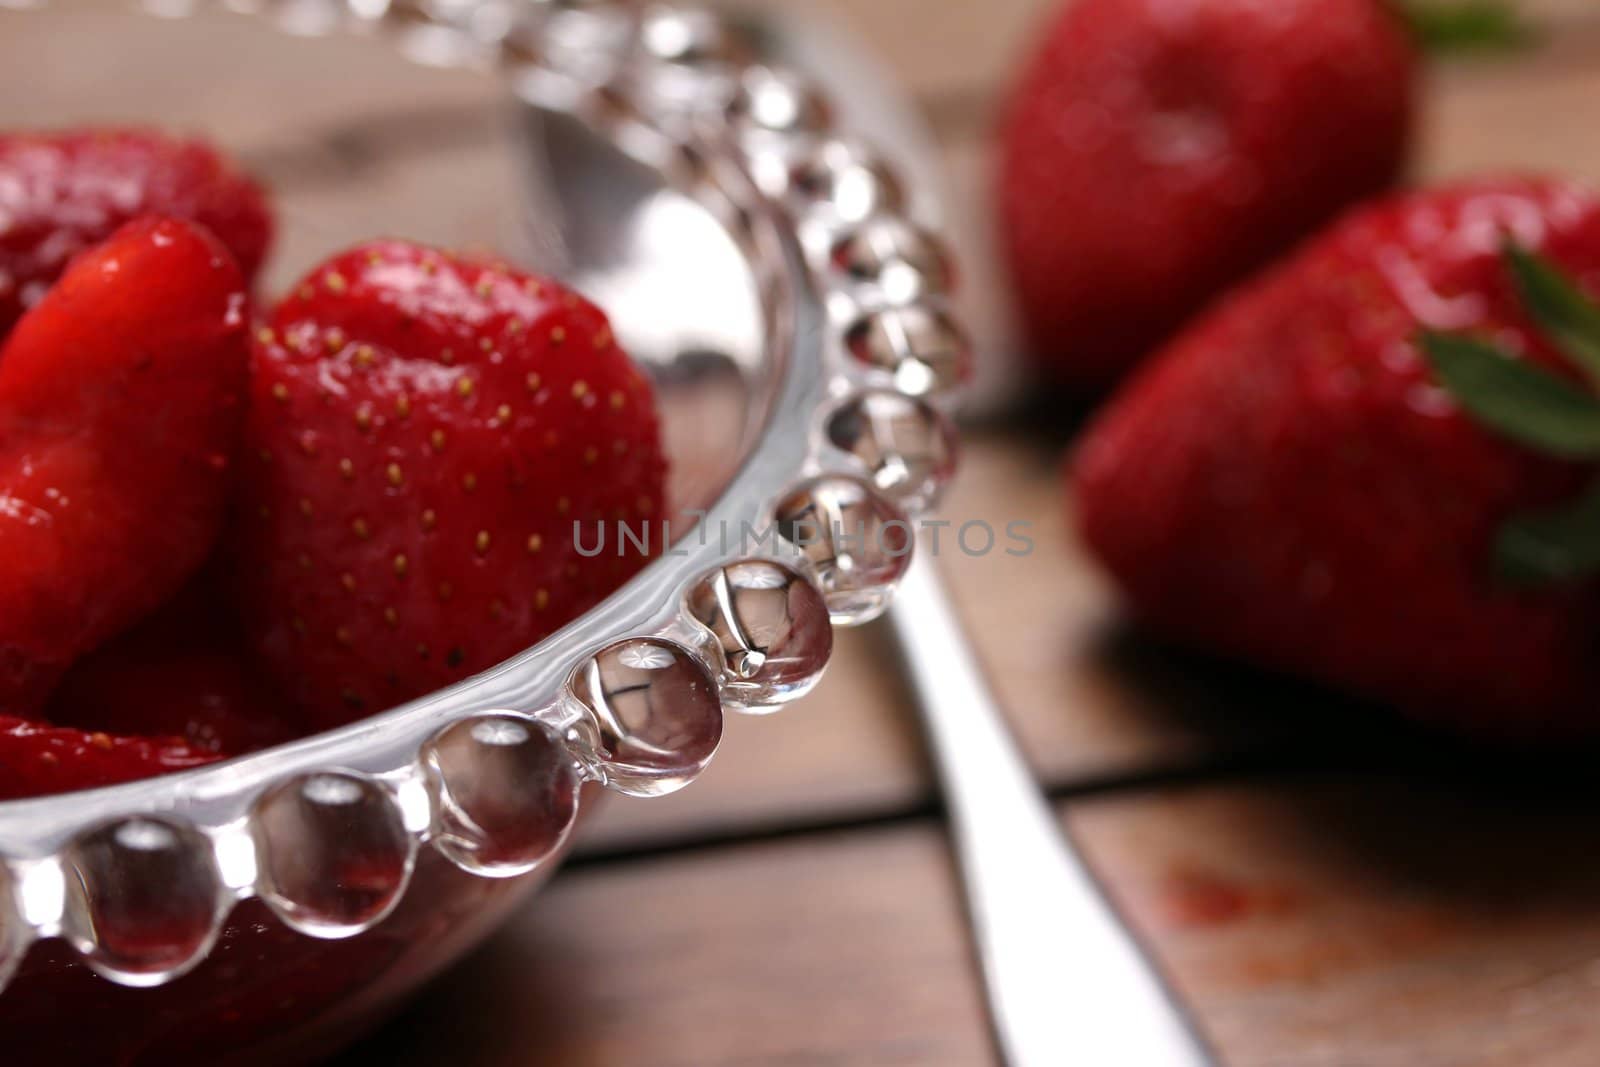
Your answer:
<point x="423" y="432"/>
<point x="224" y="530"/>
<point x="218" y="534"/>
<point x="120" y="406"/>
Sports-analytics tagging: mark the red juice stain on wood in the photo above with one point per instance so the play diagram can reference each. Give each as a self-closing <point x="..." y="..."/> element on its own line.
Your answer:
<point x="1192" y="896"/>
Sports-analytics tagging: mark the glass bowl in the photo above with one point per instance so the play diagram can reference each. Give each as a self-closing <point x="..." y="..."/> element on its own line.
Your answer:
<point x="763" y="265"/>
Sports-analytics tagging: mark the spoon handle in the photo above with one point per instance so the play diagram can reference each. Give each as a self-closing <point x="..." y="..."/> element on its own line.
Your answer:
<point x="1066" y="982"/>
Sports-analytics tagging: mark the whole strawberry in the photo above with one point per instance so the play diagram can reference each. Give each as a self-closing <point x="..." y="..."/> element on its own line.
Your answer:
<point x="424" y="431"/>
<point x="1156" y="151"/>
<point x="62" y="192"/>
<point x="1314" y="478"/>
<point x="120" y="409"/>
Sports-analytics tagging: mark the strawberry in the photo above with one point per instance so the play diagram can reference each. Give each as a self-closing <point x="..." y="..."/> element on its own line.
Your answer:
<point x="1305" y="480"/>
<point x="183" y="672"/>
<point x="1156" y="151"/>
<point x="119" y="411"/>
<point x="62" y="192"/>
<point x="37" y="760"/>
<point x="424" y="430"/>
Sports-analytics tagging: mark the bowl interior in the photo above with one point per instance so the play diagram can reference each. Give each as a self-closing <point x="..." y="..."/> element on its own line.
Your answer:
<point x="357" y="142"/>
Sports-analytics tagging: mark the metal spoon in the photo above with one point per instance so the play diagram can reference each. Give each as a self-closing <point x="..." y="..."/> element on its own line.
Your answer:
<point x="1066" y="982"/>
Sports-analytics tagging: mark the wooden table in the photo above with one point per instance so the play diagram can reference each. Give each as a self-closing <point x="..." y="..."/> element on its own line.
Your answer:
<point x="1328" y="888"/>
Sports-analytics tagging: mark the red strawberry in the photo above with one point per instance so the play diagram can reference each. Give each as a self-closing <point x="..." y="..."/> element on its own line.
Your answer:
<point x="1290" y="483"/>
<point x="184" y="673"/>
<point x="424" y="432"/>
<point x="1156" y="151"/>
<point x="62" y="192"/>
<point x="37" y="760"/>
<point x="119" y="410"/>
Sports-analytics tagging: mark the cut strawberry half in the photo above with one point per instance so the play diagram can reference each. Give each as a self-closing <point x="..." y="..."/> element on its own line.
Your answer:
<point x="119" y="417"/>
<point x="424" y="432"/>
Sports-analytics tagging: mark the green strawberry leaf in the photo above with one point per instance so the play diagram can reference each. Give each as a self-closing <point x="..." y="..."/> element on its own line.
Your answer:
<point x="1523" y="402"/>
<point x="1466" y="25"/>
<point x="1555" y="546"/>
<point x="1538" y="409"/>
<point x="1564" y="311"/>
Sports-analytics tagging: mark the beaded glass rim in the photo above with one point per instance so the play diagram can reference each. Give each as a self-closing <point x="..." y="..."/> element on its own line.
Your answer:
<point x="140" y="877"/>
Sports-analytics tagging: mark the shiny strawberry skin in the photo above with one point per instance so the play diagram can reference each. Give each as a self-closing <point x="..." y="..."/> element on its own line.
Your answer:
<point x="63" y="192"/>
<point x="1156" y="151"/>
<point x="423" y="432"/>
<point x="119" y="414"/>
<point x="1287" y="482"/>
<point x="37" y="759"/>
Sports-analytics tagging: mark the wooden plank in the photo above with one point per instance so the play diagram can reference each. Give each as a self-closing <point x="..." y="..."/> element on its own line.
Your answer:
<point x="227" y="75"/>
<point x="838" y="950"/>
<point x="1376" y="923"/>
<point x="1328" y="924"/>
<point x="1515" y="115"/>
